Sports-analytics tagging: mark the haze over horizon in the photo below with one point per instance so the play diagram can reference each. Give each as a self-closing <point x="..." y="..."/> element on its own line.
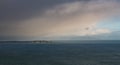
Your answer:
<point x="59" y="19"/>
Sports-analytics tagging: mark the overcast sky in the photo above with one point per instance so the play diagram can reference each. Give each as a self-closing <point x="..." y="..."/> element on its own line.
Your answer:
<point x="60" y="19"/>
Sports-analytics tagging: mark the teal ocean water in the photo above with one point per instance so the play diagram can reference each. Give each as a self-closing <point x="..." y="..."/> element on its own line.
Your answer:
<point x="59" y="53"/>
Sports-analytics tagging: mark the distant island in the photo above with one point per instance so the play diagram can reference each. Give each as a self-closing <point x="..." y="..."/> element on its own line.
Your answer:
<point x="62" y="42"/>
<point x="41" y="41"/>
<point x="35" y="41"/>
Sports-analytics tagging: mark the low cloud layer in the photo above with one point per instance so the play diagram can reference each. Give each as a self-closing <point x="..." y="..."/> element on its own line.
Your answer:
<point x="57" y="18"/>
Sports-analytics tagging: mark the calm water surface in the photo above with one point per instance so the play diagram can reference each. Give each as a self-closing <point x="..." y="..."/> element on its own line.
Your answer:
<point x="60" y="54"/>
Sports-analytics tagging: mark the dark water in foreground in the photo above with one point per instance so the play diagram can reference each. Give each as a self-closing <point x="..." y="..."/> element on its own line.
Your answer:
<point x="60" y="54"/>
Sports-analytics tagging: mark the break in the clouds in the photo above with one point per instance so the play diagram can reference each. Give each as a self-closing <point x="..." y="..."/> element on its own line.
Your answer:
<point x="44" y="19"/>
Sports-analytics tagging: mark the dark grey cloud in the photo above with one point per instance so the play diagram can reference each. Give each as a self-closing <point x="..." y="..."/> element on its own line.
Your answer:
<point x="36" y="18"/>
<point x="14" y="10"/>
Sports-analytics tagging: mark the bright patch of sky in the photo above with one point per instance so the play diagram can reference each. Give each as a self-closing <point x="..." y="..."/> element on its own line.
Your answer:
<point x="112" y="24"/>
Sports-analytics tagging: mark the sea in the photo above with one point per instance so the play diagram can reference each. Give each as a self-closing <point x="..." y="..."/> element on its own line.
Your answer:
<point x="61" y="53"/>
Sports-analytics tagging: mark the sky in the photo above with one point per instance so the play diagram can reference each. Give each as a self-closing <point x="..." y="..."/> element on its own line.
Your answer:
<point x="59" y="20"/>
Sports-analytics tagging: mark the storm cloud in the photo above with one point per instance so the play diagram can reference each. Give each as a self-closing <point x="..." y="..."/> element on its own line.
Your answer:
<point x="50" y="18"/>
